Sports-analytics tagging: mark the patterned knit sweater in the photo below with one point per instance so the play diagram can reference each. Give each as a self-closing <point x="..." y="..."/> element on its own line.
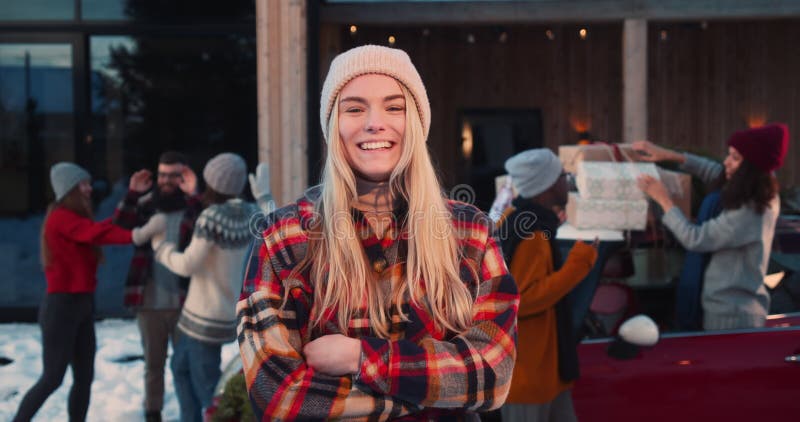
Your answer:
<point x="213" y="260"/>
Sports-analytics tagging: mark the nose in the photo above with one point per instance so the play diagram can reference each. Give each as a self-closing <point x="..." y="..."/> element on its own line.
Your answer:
<point x="375" y="122"/>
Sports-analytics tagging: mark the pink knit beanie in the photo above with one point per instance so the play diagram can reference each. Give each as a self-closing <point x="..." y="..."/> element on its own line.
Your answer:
<point x="369" y="59"/>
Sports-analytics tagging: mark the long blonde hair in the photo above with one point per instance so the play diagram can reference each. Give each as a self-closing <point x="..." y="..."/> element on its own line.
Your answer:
<point x="342" y="278"/>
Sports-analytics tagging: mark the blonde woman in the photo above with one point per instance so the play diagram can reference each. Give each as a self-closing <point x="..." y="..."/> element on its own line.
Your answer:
<point x="373" y="296"/>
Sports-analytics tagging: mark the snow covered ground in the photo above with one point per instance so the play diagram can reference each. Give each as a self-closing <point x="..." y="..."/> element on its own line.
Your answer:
<point x="117" y="390"/>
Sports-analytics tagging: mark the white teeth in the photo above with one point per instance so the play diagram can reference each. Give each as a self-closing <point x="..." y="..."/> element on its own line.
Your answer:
<point x="376" y="145"/>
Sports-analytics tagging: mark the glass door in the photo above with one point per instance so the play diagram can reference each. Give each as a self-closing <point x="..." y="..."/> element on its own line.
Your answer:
<point x="38" y="123"/>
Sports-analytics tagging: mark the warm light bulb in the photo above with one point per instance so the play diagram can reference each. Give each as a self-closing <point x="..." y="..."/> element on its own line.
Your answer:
<point x="466" y="140"/>
<point x="392" y="39"/>
<point x="353" y="29"/>
<point x="583" y="33"/>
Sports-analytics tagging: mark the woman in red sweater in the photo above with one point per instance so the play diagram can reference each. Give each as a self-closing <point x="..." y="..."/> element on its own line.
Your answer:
<point x="71" y="251"/>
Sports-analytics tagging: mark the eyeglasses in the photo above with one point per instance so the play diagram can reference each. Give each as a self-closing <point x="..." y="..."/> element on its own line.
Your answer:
<point x="162" y="175"/>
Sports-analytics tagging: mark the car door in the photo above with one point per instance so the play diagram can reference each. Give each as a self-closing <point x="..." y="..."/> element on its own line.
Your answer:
<point x="749" y="374"/>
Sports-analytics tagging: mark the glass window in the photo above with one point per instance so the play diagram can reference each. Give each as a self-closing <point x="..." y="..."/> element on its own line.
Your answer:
<point x="103" y="9"/>
<point x="194" y="94"/>
<point x="37" y="129"/>
<point x="159" y="10"/>
<point x="36" y="121"/>
<point x="14" y="10"/>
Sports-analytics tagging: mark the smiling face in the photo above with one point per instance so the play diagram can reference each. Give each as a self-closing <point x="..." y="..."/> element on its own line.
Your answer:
<point x="732" y="162"/>
<point x="372" y="121"/>
<point x="169" y="177"/>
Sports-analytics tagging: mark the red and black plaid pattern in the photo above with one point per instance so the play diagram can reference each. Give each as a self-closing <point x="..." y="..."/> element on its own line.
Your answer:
<point x="419" y="373"/>
<point x="130" y="213"/>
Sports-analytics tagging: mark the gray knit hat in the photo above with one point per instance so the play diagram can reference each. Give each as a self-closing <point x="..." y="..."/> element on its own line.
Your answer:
<point x="369" y="59"/>
<point x="533" y="171"/>
<point x="226" y="173"/>
<point x="64" y="176"/>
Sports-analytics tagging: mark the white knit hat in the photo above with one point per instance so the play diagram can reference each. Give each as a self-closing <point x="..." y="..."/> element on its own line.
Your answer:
<point x="369" y="59"/>
<point x="64" y="176"/>
<point x="226" y="173"/>
<point x="533" y="171"/>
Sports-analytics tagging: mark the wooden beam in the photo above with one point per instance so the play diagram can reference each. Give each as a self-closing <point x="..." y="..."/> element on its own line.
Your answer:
<point x="488" y="12"/>
<point x="634" y="80"/>
<point x="281" y="71"/>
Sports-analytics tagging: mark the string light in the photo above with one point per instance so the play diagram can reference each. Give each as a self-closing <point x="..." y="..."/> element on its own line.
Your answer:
<point x="550" y="35"/>
<point x="583" y="33"/>
<point x="663" y="35"/>
<point x="353" y="29"/>
<point x="392" y="39"/>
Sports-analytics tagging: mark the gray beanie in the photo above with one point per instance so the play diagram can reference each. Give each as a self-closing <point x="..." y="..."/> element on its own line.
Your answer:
<point x="64" y="176"/>
<point x="226" y="173"/>
<point x="533" y="171"/>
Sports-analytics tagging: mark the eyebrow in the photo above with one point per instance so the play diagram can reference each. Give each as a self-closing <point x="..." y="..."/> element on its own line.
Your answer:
<point x="364" y="101"/>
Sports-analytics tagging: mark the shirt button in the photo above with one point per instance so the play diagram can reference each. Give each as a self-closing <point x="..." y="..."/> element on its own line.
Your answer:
<point x="379" y="265"/>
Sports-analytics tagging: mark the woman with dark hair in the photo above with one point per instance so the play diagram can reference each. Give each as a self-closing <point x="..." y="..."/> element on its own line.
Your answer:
<point x="70" y="252"/>
<point x="740" y="237"/>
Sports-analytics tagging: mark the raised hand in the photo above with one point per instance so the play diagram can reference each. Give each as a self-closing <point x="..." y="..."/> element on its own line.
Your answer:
<point x="648" y="151"/>
<point x="188" y="181"/>
<point x="141" y="181"/>
<point x="259" y="183"/>
<point x="653" y="188"/>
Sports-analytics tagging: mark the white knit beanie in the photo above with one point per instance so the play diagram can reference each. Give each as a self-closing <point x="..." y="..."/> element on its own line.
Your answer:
<point x="226" y="173"/>
<point x="64" y="176"/>
<point x="369" y="59"/>
<point x="533" y="171"/>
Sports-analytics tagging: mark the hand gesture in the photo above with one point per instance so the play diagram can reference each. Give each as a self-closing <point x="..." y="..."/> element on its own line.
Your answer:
<point x="648" y="151"/>
<point x="334" y="354"/>
<point x="653" y="188"/>
<point x="141" y="181"/>
<point x="188" y="181"/>
<point x="259" y="183"/>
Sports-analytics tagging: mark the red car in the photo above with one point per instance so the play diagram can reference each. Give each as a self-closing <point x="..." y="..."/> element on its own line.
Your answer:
<point x="730" y="375"/>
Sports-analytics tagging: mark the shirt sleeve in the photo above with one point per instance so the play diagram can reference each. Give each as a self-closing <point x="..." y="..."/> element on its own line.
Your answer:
<point x="84" y="230"/>
<point x="470" y="371"/>
<point x="271" y="336"/>
<point x="187" y="262"/>
<point x="127" y="214"/>
<point x="731" y="229"/>
<point x="539" y="290"/>
<point x="707" y="170"/>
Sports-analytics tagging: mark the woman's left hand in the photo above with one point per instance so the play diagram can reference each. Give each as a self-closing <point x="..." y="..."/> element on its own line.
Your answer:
<point x="653" y="188"/>
<point x="334" y="354"/>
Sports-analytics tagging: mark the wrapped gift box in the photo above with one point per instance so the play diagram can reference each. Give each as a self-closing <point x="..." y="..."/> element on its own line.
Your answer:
<point x="612" y="214"/>
<point x="571" y="155"/>
<point x="605" y="180"/>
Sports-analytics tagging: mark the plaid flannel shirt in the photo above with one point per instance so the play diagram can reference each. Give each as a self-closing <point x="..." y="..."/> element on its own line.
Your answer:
<point x="133" y="211"/>
<point x="420" y="373"/>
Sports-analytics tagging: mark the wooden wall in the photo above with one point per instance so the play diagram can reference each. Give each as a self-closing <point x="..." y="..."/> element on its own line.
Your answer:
<point x="707" y="81"/>
<point x="704" y="81"/>
<point x="574" y="82"/>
